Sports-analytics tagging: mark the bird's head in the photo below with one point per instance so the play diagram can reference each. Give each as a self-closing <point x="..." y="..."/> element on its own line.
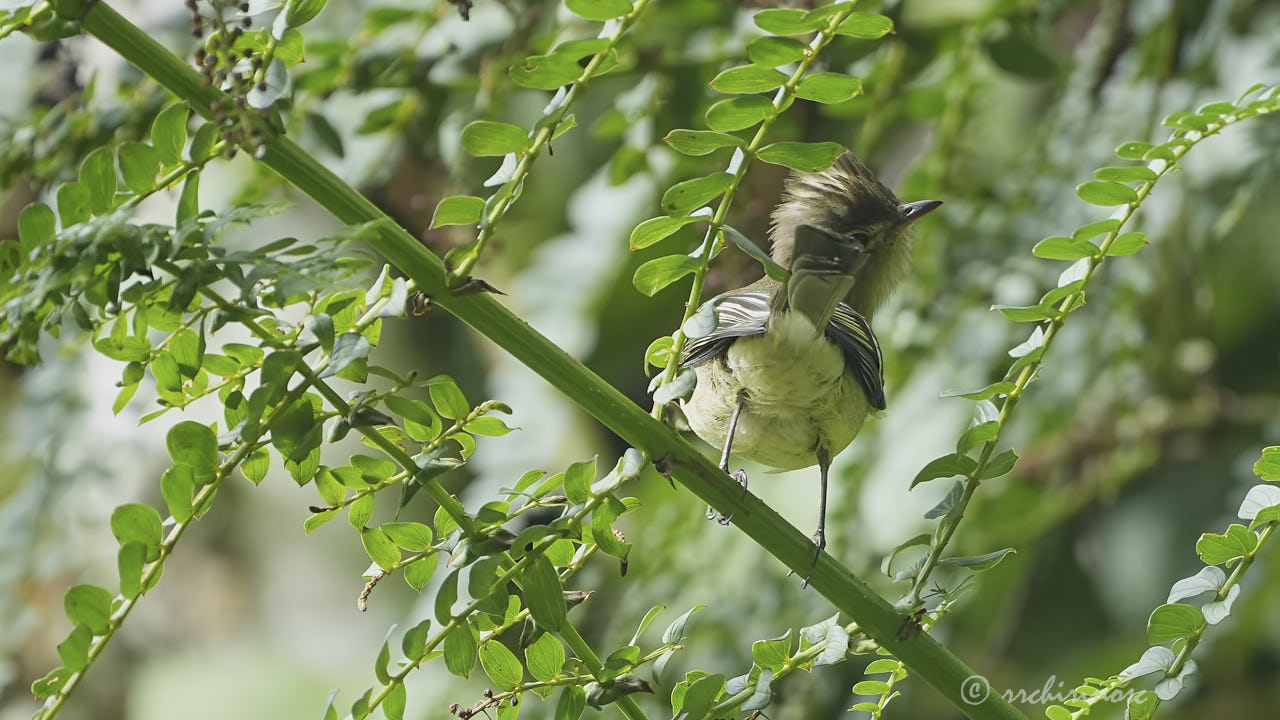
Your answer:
<point x="847" y="201"/>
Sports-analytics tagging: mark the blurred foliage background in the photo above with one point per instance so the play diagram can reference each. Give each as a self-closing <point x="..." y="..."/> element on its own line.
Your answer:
<point x="1139" y="437"/>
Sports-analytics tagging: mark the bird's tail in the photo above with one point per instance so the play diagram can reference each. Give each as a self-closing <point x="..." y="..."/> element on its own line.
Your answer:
<point x="822" y="269"/>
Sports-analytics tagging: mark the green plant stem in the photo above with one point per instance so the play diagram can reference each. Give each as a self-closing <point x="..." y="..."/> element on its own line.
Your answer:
<point x="926" y="658"/>
<point x="1052" y="328"/>
<point x="550" y="123"/>
<point x="706" y="251"/>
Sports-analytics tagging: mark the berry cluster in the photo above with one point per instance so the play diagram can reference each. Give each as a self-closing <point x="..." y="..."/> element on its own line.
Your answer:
<point x="482" y="706"/>
<point x="233" y="70"/>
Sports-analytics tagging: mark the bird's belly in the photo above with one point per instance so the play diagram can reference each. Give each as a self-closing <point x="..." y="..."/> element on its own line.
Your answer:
<point x="798" y="397"/>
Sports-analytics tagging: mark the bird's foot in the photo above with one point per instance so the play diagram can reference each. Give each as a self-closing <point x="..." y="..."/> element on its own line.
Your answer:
<point x="819" y="539"/>
<point x="712" y="514"/>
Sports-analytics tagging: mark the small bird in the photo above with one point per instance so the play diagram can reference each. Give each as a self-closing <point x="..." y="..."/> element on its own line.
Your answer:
<point x="792" y="369"/>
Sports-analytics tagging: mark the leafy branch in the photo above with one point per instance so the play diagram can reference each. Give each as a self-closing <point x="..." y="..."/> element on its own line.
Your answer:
<point x="560" y="71"/>
<point x="1184" y="625"/>
<point x="927" y="659"/>
<point x="1111" y="189"/>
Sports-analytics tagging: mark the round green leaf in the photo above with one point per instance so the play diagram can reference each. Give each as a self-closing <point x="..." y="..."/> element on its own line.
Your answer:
<point x="169" y="133"/>
<point x="136" y="523"/>
<point x="681" y="198"/>
<point x="460" y="650"/>
<point x="1172" y="622"/>
<point x="654" y="229"/>
<point x="484" y="138"/>
<point x="867" y="26"/>
<point x="1127" y="244"/>
<point x="501" y="665"/>
<point x="775" y="51"/>
<point x="36" y="226"/>
<point x="787" y="21"/>
<point x="748" y="79"/>
<point x="458" y="210"/>
<point x="806" y="157"/>
<point x="738" y="112"/>
<point x="828" y="87"/>
<point x="89" y="605"/>
<point x="139" y="163"/>
<point x="98" y="175"/>
<point x="448" y="397"/>
<point x="700" y="142"/>
<point x="658" y="273"/>
<point x="1106" y="194"/>
<point x="1061" y="247"/>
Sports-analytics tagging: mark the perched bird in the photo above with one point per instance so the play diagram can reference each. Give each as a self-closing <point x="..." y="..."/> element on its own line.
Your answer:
<point x="792" y="369"/>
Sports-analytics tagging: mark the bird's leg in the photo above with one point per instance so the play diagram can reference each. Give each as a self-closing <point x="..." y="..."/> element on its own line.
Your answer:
<point x="820" y="535"/>
<point x="739" y="475"/>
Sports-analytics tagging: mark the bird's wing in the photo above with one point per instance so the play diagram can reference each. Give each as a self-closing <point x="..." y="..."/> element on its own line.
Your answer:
<point x="737" y="315"/>
<point x="852" y="334"/>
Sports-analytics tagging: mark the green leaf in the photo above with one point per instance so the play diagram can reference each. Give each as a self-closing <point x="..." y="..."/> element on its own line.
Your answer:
<point x="658" y="273"/>
<point x="700" y="696"/>
<point x="1001" y="465"/>
<point x="301" y="12"/>
<point x="700" y="142"/>
<point x="543" y="594"/>
<point x="487" y="427"/>
<point x="655" y="229"/>
<point x="1172" y="622"/>
<point x="681" y="198"/>
<point x="1133" y="150"/>
<point x="979" y="563"/>
<point x="577" y="481"/>
<point x="189" y="200"/>
<point x="1092" y="230"/>
<point x="137" y="524"/>
<point x="1124" y="174"/>
<point x="870" y="687"/>
<point x="571" y="704"/>
<point x="74" y="651"/>
<point x="130" y="561"/>
<point x="743" y="243"/>
<point x="545" y="657"/>
<point x="1064" y="248"/>
<point x="169" y="133"/>
<point x="546" y="72"/>
<point x="98" y="175"/>
<point x="828" y="87"/>
<point x="786" y="21"/>
<point x="194" y="445"/>
<point x="139" y="163"/>
<point x="1236" y="542"/>
<point x="806" y="157"/>
<point x="747" y="79"/>
<point x="886" y="563"/>
<point x="418" y="573"/>
<point x="380" y="547"/>
<point x="412" y="536"/>
<point x="1127" y="244"/>
<point x="73" y="204"/>
<point x="484" y="138"/>
<point x="772" y="654"/>
<point x="36" y="226"/>
<point x="178" y="490"/>
<point x="1027" y="313"/>
<point x="867" y="26"/>
<point x="775" y="51"/>
<point x="737" y="113"/>
<point x="89" y="605"/>
<point x="599" y="10"/>
<point x="1268" y="466"/>
<point x="347" y="348"/>
<point x="1106" y="194"/>
<point x="460" y="650"/>
<point x="501" y="665"/>
<point x="458" y="210"/>
<point x="359" y="511"/>
<point x="448" y="397"/>
<point x="945" y="466"/>
<point x="980" y="434"/>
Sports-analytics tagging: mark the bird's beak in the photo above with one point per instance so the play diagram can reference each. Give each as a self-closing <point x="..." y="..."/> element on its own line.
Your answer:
<point x="913" y="211"/>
